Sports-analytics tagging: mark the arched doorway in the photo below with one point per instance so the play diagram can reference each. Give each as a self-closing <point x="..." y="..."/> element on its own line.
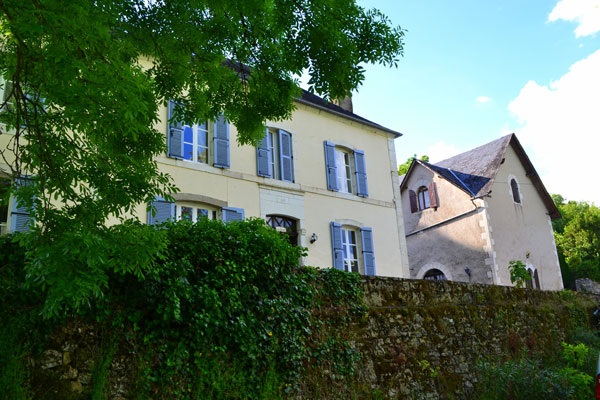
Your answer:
<point x="285" y="225"/>
<point x="434" y="275"/>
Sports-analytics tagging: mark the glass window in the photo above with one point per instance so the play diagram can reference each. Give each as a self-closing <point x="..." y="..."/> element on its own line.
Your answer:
<point x="344" y="162"/>
<point x="423" y="198"/>
<point x="191" y="212"/>
<point x="196" y="143"/>
<point x="274" y="159"/>
<point x="350" y="248"/>
<point x="284" y="225"/>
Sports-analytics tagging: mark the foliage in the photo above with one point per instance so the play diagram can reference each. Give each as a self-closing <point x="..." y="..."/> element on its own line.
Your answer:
<point x="85" y="81"/>
<point x="529" y="378"/>
<point x="518" y="273"/>
<point x="403" y="168"/>
<point x="577" y="237"/>
<point x="225" y="310"/>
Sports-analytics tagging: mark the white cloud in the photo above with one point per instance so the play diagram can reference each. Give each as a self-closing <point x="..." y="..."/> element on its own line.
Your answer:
<point x="560" y="129"/>
<point x="585" y="12"/>
<point x="440" y="151"/>
<point x="483" y="99"/>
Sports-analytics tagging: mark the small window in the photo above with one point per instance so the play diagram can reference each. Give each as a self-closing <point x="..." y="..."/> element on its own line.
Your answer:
<point x="350" y="247"/>
<point x="286" y="226"/>
<point x="196" y="143"/>
<point x="515" y="191"/>
<point x="194" y="212"/>
<point x="344" y="161"/>
<point x="434" y="275"/>
<point x="534" y="282"/>
<point x="274" y="156"/>
<point x="423" y="198"/>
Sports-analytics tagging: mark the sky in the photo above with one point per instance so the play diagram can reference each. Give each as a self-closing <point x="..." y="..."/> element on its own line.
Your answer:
<point x="474" y="71"/>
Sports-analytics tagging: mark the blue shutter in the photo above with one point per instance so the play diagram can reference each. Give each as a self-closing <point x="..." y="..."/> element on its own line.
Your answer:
<point x="263" y="157"/>
<point x="232" y="214"/>
<point x="285" y="154"/>
<point x="174" y="135"/>
<point x="221" y="143"/>
<point x="330" y="167"/>
<point x="163" y="211"/>
<point x="336" y="246"/>
<point x="20" y="217"/>
<point x="368" y="250"/>
<point x="361" y="174"/>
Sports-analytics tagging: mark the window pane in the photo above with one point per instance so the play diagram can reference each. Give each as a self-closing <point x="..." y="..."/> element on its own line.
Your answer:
<point x="203" y="155"/>
<point x="202" y="213"/>
<point x="186" y="213"/>
<point x="354" y="266"/>
<point x="188" y="135"/>
<point x="340" y="163"/>
<point x="202" y="138"/>
<point x="188" y="151"/>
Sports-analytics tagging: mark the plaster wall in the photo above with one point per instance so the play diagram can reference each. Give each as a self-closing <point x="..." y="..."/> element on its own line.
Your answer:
<point x="518" y="229"/>
<point x="452" y="247"/>
<point x="452" y="200"/>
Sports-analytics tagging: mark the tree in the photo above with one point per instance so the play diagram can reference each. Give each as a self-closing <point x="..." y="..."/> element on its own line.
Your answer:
<point x="83" y="83"/>
<point x="577" y="237"/>
<point x="403" y="168"/>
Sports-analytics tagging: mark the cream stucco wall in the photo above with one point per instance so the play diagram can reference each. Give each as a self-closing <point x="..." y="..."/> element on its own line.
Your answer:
<point x="307" y="198"/>
<point x="518" y="229"/>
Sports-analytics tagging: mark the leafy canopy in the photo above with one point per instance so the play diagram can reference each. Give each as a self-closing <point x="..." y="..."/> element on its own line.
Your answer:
<point x="403" y="168"/>
<point x="84" y="82"/>
<point x="577" y="237"/>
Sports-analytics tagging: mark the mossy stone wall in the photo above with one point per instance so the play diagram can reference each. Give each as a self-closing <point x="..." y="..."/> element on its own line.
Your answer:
<point x="422" y="339"/>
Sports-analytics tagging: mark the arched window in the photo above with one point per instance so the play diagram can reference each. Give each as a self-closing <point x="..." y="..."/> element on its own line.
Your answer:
<point x="284" y="225"/>
<point x="515" y="190"/>
<point x="434" y="275"/>
<point x="423" y="198"/>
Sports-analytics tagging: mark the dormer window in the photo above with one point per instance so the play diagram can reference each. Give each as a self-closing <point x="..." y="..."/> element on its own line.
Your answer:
<point x="423" y="197"/>
<point x="515" y="191"/>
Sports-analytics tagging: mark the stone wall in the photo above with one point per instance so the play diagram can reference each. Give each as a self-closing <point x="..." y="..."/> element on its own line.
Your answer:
<point x="420" y="339"/>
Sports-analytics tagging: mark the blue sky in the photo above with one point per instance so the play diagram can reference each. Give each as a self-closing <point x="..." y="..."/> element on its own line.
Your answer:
<point x="473" y="71"/>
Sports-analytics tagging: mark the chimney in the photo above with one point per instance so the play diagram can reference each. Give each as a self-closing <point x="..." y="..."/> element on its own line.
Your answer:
<point x="345" y="103"/>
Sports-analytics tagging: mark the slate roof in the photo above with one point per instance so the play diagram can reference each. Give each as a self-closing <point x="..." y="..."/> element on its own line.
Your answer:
<point x="316" y="101"/>
<point x="474" y="171"/>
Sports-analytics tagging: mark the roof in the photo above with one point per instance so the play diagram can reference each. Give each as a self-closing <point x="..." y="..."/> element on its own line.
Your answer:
<point x="311" y="99"/>
<point x="474" y="171"/>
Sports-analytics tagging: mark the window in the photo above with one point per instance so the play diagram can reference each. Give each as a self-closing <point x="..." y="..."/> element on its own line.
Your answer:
<point x="204" y="143"/>
<point x="196" y="142"/>
<point x="352" y="249"/>
<point x="345" y="170"/>
<point x="514" y="186"/>
<point x="423" y="197"/>
<point x="161" y="211"/>
<point x="274" y="156"/>
<point x="191" y="212"/>
<point x="434" y="275"/>
<point x="534" y="282"/>
<point x="284" y="225"/>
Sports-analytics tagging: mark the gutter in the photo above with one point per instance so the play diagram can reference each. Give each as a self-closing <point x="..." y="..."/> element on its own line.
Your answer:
<point x="360" y="121"/>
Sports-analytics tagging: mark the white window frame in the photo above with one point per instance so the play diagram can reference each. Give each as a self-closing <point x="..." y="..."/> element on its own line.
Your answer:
<point x="213" y="212"/>
<point x="274" y="152"/>
<point x="348" y="248"/>
<point x="346" y="170"/>
<point x="196" y="129"/>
